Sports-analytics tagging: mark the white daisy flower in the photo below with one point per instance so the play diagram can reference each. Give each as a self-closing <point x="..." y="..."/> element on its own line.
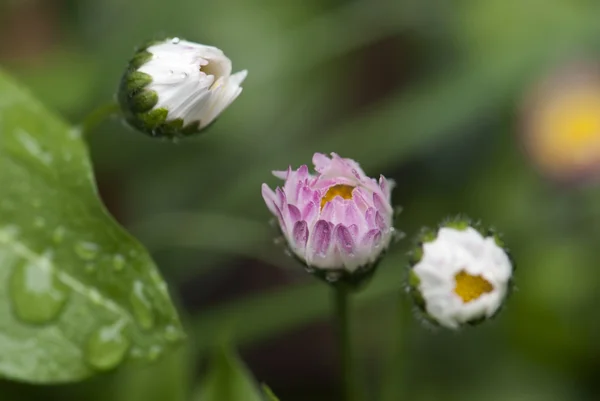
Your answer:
<point x="176" y="88"/>
<point x="460" y="276"/>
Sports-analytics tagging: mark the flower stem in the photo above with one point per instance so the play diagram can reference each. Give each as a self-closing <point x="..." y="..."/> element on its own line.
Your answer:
<point x="342" y="315"/>
<point x="98" y="115"/>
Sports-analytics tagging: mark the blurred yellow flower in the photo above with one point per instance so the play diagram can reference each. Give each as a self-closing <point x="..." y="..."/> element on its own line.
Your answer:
<point x="562" y="123"/>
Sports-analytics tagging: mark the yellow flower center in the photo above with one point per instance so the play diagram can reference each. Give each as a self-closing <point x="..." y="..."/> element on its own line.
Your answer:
<point x="469" y="287"/>
<point x="570" y="131"/>
<point x="345" y="191"/>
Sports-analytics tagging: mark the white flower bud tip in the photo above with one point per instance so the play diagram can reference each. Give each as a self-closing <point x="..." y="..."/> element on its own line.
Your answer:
<point x="176" y="88"/>
<point x="459" y="275"/>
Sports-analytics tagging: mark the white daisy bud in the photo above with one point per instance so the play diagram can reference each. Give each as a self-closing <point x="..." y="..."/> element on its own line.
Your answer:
<point x="175" y="88"/>
<point x="459" y="275"/>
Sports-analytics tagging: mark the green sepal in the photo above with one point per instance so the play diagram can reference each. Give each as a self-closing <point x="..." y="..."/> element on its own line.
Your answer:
<point x="143" y="101"/>
<point x="140" y="58"/>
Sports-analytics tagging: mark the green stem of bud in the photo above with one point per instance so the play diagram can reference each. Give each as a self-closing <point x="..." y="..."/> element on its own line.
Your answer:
<point x="342" y="317"/>
<point x="98" y="115"/>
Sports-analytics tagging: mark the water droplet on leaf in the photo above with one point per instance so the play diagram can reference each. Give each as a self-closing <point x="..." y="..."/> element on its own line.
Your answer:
<point x="37" y="295"/>
<point x="118" y="262"/>
<point x="58" y="234"/>
<point x="172" y="334"/>
<point x="142" y="309"/>
<point x="107" y="346"/>
<point x="154" y="352"/>
<point x="86" y="250"/>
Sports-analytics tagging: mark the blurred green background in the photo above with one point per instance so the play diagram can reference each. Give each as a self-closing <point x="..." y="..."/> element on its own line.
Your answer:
<point x="428" y="92"/>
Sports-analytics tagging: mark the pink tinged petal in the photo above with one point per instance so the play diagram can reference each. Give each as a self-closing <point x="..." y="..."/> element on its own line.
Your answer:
<point x="360" y="197"/>
<point x="320" y="161"/>
<point x="310" y="211"/>
<point x="353" y="230"/>
<point x="321" y="238"/>
<point x="370" y="217"/>
<point x="351" y="215"/>
<point x="281" y="218"/>
<point x="382" y="206"/>
<point x="303" y="172"/>
<point x="281" y="198"/>
<point x="386" y="186"/>
<point x="300" y="234"/>
<point x="269" y="197"/>
<point x="372" y="237"/>
<point x="327" y="212"/>
<point x="307" y="195"/>
<point x="283" y="174"/>
<point x="294" y="213"/>
<point x="380" y="222"/>
<point x="344" y="240"/>
<point x="316" y="197"/>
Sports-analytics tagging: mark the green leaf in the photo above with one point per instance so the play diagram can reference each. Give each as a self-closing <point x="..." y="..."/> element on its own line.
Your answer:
<point x="228" y="380"/>
<point x="80" y="295"/>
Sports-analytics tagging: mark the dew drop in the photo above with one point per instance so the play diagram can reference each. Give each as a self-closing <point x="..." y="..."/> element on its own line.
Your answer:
<point x="154" y="352"/>
<point x="118" y="262"/>
<point x="137" y="353"/>
<point x="172" y="334"/>
<point x="175" y="41"/>
<point x="58" y="234"/>
<point x="142" y="309"/>
<point x="86" y="250"/>
<point x="37" y="295"/>
<point x="107" y="346"/>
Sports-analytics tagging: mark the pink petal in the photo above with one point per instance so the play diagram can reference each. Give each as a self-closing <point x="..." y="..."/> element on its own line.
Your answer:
<point x="344" y="239"/>
<point x="352" y="215"/>
<point x="380" y="222"/>
<point x="321" y="238"/>
<point x="294" y="213"/>
<point x="353" y="230"/>
<point x="305" y="195"/>
<point x="281" y="198"/>
<point x="372" y="237"/>
<point x="382" y="206"/>
<point x="328" y="211"/>
<point x="321" y="162"/>
<point x="269" y="197"/>
<point x="310" y="211"/>
<point x="300" y="234"/>
<point x="360" y="198"/>
<point x="370" y="217"/>
<point x="303" y="172"/>
<point x="283" y="174"/>
<point x="280" y="218"/>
